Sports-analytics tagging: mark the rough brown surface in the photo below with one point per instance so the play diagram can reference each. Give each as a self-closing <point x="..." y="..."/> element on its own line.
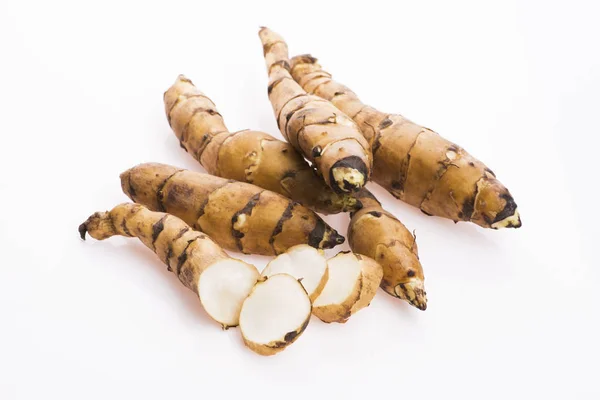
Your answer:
<point x="237" y="215"/>
<point x="319" y="131"/>
<point x="414" y="163"/>
<point x="186" y="253"/>
<point x="246" y="156"/>
<point x="379" y="235"/>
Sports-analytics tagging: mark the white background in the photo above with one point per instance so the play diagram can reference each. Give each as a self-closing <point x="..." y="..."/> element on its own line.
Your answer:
<point x="512" y="314"/>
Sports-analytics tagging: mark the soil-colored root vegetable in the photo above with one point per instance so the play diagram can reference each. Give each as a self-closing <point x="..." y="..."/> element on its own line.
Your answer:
<point x="376" y="233"/>
<point x="304" y="263"/>
<point x="238" y="216"/>
<point x="221" y="282"/>
<point x="414" y="163"/>
<point x="275" y="314"/>
<point x="246" y="156"/>
<point x="352" y="284"/>
<point x="322" y="133"/>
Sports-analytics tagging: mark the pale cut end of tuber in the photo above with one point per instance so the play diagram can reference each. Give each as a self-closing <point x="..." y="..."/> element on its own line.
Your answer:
<point x="413" y="291"/>
<point x="304" y="263"/>
<point x="512" y="221"/>
<point x="223" y="287"/>
<point x="275" y="314"/>
<point x="349" y="179"/>
<point x="352" y="284"/>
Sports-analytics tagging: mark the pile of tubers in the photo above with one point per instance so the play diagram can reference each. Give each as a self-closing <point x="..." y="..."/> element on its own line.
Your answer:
<point x="261" y="196"/>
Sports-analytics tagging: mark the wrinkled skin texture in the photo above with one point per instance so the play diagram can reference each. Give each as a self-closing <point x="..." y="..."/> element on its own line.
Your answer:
<point x="186" y="253"/>
<point x="236" y="215"/>
<point x="379" y="235"/>
<point x="414" y="163"/>
<point x="319" y="131"/>
<point x="245" y="156"/>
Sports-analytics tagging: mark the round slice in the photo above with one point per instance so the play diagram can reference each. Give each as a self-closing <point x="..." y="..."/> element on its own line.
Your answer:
<point x="353" y="281"/>
<point x="275" y="313"/>
<point x="223" y="287"/>
<point x="372" y="274"/>
<point x="306" y="264"/>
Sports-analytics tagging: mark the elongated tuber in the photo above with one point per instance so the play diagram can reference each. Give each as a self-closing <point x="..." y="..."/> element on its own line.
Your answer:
<point x="414" y="163"/>
<point x="304" y="263"/>
<point x="221" y="282"/>
<point x="246" y="156"/>
<point x="275" y="314"/>
<point x="259" y="158"/>
<point x="319" y="131"/>
<point x="352" y="284"/>
<point x="237" y="215"/>
<point x="376" y="233"/>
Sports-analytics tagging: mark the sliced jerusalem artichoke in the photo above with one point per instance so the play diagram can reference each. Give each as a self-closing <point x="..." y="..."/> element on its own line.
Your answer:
<point x="221" y="282"/>
<point x="223" y="287"/>
<point x="352" y="284"/>
<point x="274" y="314"/>
<point x="304" y="263"/>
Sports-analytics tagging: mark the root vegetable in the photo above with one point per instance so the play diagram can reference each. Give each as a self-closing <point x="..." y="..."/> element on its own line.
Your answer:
<point x="376" y="233"/>
<point x="261" y="159"/>
<point x="319" y="131"/>
<point x="275" y="314"/>
<point x="304" y="263"/>
<point x="352" y="284"/>
<point x="414" y="163"/>
<point x="246" y="156"/>
<point x="238" y="216"/>
<point x="221" y="282"/>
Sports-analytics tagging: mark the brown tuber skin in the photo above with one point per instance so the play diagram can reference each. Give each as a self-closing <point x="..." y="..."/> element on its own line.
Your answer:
<point x="236" y="215"/>
<point x="187" y="253"/>
<point x="414" y="163"/>
<point x="319" y="131"/>
<point x="246" y="156"/>
<point x="265" y="161"/>
<point x="379" y="235"/>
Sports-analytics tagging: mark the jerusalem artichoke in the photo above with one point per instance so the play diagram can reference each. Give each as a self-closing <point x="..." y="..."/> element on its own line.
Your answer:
<point x="414" y="163"/>
<point x="352" y="284"/>
<point x="376" y="233"/>
<point x="246" y="156"/>
<point x="238" y="216"/>
<point x="275" y="314"/>
<point x="304" y="263"/>
<point x="221" y="282"/>
<point x="319" y="131"/>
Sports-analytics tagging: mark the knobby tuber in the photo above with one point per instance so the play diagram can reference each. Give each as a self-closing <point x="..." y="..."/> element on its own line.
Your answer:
<point x="414" y="163"/>
<point x="237" y="215"/>
<point x="221" y="282"/>
<point x="376" y="233"/>
<point x="246" y="156"/>
<point x="323" y="134"/>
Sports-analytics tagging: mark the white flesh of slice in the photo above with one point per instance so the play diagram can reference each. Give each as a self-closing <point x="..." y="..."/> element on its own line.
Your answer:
<point x="303" y="262"/>
<point x="274" y="314"/>
<point x="344" y="272"/>
<point x="223" y="287"/>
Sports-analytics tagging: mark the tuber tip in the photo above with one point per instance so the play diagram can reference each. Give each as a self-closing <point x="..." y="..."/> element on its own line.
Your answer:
<point x="82" y="230"/>
<point x="413" y="292"/>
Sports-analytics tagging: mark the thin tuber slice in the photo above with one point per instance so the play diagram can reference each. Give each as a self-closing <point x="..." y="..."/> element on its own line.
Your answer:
<point x="221" y="282"/>
<point x="304" y="263"/>
<point x="378" y="234"/>
<point x="238" y="216"/>
<point x="352" y="284"/>
<point x="275" y="314"/>
<point x="323" y="134"/>
<point x="414" y="163"/>
<point x="246" y="156"/>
